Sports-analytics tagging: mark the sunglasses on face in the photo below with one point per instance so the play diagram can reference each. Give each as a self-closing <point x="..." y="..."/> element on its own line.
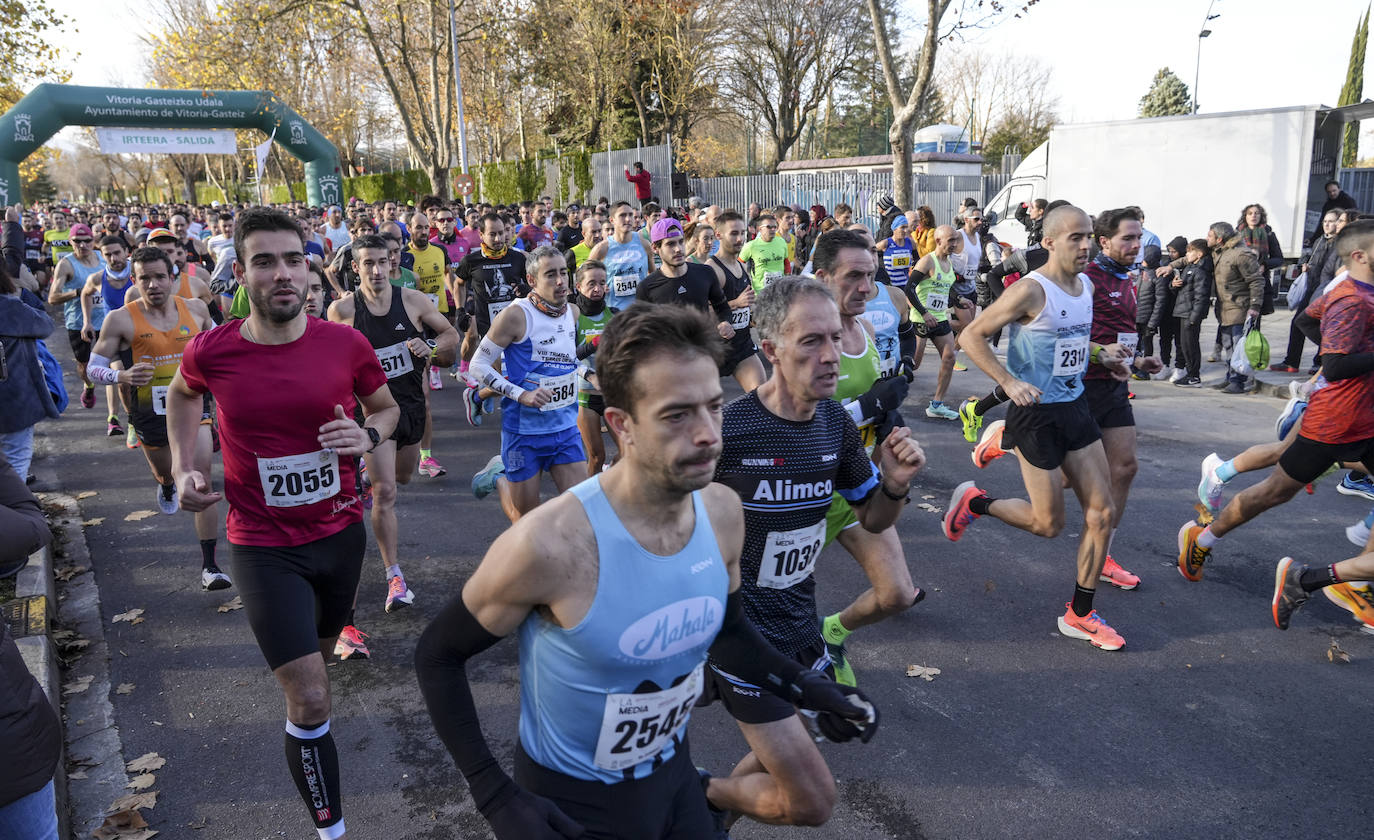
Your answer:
<point x="81" y="241"/>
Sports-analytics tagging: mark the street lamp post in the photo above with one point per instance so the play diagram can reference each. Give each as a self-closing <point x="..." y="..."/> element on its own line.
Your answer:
<point x="458" y="87"/>
<point x="1197" y="67"/>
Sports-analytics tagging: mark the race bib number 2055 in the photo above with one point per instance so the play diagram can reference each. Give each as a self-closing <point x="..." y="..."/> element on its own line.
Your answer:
<point x="296" y="480"/>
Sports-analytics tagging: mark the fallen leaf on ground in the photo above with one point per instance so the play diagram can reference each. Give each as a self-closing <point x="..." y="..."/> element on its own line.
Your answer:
<point x="927" y="674"/>
<point x="93" y="521"/>
<point x="125" y="688"/>
<point x="928" y="496"/>
<point x="128" y="616"/>
<point x="146" y="763"/>
<point x="1335" y="654"/>
<point x="928" y="506"/>
<point x="140" y="514"/>
<point x="143" y="781"/>
<point x="68" y="572"/>
<point x="85" y="494"/>
<point x="77" y="685"/>
<point x="988" y="586"/>
<point x="229" y="606"/>
<point x="138" y="620"/>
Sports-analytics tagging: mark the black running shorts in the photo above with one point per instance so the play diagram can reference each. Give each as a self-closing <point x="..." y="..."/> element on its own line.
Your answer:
<point x="410" y="428"/>
<point x="748" y="703"/>
<point x="924" y="330"/>
<point x="1305" y="459"/>
<point x="297" y="595"/>
<point x="1109" y="402"/>
<point x="668" y="804"/>
<point x="1044" y="433"/>
<point x="736" y="357"/>
<point x="81" y="348"/>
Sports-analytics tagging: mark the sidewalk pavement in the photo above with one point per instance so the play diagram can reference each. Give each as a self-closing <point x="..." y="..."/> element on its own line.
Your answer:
<point x="1275" y="329"/>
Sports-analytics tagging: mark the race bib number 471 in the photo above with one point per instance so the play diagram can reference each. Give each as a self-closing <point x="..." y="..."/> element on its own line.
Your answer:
<point x="296" y="480"/>
<point x="637" y="727"/>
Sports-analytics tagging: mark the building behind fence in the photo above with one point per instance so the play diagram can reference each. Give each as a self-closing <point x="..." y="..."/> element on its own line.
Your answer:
<point x="942" y="193"/>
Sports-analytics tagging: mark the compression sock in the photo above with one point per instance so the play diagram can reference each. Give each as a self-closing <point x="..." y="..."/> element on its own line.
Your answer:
<point x="207" y="554"/>
<point x="1318" y="577"/>
<point x="1082" y="601"/>
<point x="980" y="504"/>
<point x="425" y="453"/>
<point x="833" y="631"/>
<point x="393" y="571"/>
<point x="314" y="764"/>
<point x="1227" y="471"/>
<point x="1207" y="539"/>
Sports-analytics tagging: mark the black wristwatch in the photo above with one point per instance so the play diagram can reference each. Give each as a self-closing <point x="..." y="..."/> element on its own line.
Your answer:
<point x="374" y="436"/>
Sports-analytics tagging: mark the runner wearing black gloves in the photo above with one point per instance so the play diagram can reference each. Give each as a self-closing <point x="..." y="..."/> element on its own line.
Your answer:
<point x="633" y="560"/>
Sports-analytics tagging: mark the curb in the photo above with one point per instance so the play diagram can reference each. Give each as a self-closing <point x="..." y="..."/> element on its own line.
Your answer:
<point x="40" y="655"/>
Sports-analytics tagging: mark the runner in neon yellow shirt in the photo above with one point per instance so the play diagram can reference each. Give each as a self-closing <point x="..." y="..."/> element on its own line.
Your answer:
<point x="766" y="254"/>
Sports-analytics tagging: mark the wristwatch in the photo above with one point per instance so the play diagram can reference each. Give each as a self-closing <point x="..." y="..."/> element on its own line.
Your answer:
<point x="374" y="436"/>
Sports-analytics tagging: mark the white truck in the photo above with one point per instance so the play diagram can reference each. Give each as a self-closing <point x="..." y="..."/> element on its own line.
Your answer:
<point x="1187" y="172"/>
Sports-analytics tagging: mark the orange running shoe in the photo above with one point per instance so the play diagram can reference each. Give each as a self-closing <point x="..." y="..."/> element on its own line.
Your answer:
<point x="1115" y="575"/>
<point x="1090" y="628"/>
<point x="1357" y="600"/>
<point x="989" y="446"/>
<point x="1191" y="556"/>
<point x="958" y="516"/>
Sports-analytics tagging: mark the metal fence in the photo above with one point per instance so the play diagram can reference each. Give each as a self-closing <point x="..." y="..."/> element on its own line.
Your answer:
<point x="1359" y="183"/>
<point x="608" y="172"/>
<point x="942" y="193"/>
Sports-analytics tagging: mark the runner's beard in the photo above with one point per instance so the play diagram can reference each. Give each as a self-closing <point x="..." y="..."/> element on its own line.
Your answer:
<point x="276" y="313"/>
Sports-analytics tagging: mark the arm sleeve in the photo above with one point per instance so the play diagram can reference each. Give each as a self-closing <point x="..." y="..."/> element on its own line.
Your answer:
<point x="742" y="650"/>
<point x="906" y="340"/>
<point x="1338" y="366"/>
<point x="1309" y="326"/>
<point x="441" y="658"/>
<point x="12" y="243"/>
<point x="913" y="295"/>
<point x="484" y="368"/>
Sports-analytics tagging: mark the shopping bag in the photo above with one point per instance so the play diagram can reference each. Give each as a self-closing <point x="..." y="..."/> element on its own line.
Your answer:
<point x="1297" y="291"/>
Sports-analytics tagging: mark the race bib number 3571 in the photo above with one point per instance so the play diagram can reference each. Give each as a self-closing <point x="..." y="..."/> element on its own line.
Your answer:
<point x="395" y="360"/>
<point x="637" y="727"/>
<point x="296" y="480"/>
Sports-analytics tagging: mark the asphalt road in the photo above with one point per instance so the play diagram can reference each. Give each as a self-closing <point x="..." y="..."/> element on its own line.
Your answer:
<point x="1209" y="724"/>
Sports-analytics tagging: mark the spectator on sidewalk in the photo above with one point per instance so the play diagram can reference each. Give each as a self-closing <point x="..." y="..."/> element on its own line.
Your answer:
<point x="1319" y="268"/>
<point x="28" y="723"/>
<point x="24" y="395"/>
<point x="1032" y="215"/>
<point x="923" y="230"/>
<point x="1337" y="198"/>
<point x="1192" y="297"/>
<point x="1239" y="278"/>
<point x="641" y="179"/>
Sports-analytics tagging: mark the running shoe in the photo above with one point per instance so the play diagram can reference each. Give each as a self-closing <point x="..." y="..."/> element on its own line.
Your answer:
<point x="131" y="439"/>
<point x="1282" y="368"/>
<point x="398" y="595"/>
<point x="960" y="366"/>
<point x="989" y="446"/>
<point x="1288" y="592"/>
<point x="88" y="396"/>
<point x="1356" y="600"/>
<point x="430" y="468"/>
<point x="167" y="502"/>
<point x="472" y="406"/>
<point x="1115" y="575"/>
<point x="1363" y="487"/>
<point x="436" y="379"/>
<point x="958" y="516"/>
<point x="350" y="644"/>
<point x="973" y="421"/>
<point x="941" y="411"/>
<point x="1189" y="382"/>
<point x="1210" y="487"/>
<point x="1291" y="414"/>
<point x="1090" y="628"/>
<point x="112" y="427"/>
<point x="1140" y="377"/>
<point x="1359" y="532"/>
<point x="484" y="482"/>
<point x="844" y="674"/>
<point x="212" y="579"/>
<point x="1191" y="556"/>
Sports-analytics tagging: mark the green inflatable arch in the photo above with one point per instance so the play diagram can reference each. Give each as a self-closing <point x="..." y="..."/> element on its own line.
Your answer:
<point x="49" y="108"/>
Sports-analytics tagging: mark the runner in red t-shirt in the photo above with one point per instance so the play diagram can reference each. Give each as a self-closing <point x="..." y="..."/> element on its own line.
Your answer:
<point x="289" y="448"/>
<point x="1338" y="426"/>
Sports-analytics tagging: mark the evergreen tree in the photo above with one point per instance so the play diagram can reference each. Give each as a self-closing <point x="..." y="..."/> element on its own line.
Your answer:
<point x="1354" y="89"/>
<point x="1167" y="96"/>
<point x="41" y="188"/>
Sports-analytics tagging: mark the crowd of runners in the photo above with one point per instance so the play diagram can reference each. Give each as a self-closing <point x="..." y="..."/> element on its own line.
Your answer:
<point x="674" y="566"/>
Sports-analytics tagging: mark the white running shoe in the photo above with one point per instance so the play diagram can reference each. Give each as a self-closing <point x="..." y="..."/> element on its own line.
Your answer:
<point x="1209" y="489"/>
<point x="166" y="505"/>
<point x="212" y="580"/>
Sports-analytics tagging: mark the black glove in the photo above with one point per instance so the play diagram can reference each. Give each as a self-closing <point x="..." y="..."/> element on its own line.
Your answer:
<point x="463" y="321"/>
<point x="906" y="368"/>
<point x="526" y="816"/>
<point x="838" y="718"/>
<point x="890" y="421"/>
<point x="886" y="395"/>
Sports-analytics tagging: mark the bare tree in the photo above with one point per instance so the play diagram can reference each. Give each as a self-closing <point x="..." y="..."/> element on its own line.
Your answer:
<point x="787" y="58"/>
<point x="982" y="88"/>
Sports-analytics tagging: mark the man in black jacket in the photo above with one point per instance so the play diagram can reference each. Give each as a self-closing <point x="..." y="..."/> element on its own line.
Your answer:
<point x="28" y="724"/>
<point x="1337" y="198"/>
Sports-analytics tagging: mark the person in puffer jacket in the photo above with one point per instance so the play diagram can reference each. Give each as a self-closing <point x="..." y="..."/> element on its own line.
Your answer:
<point x="1192" y="287"/>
